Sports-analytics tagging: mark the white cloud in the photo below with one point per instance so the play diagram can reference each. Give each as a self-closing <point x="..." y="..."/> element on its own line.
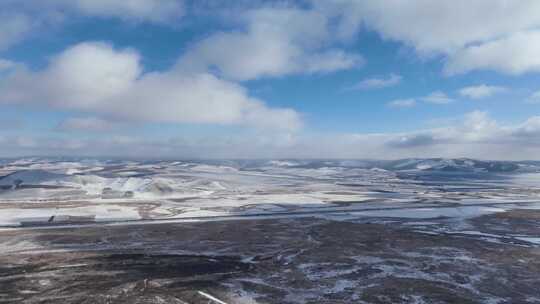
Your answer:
<point x="141" y="10"/>
<point x="475" y="135"/>
<point x="438" y="97"/>
<point x="276" y="39"/>
<point x="379" y="83"/>
<point x="402" y="103"/>
<point x="534" y="98"/>
<point x="20" y="20"/>
<point x="440" y="26"/>
<point x="13" y="28"/>
<point x="329" y="61"/>
<point x="495" y="35"/>
<point x="6" y="64"/>
<point x="529" y="130"/>
<point x="478" y="125"/>
<point x="515" y="54"/>
<point x="96" y="78"/>
<point x="275" y="42"/>
<point x="411" y="140"/>
<point x="481" y="91"/>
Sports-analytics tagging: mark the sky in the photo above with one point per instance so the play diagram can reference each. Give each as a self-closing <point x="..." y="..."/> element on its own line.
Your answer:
<point x="270" y="79"/>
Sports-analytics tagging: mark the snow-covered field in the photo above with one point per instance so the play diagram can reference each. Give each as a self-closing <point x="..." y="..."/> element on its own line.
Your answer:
<point x="49" y="191"/>
<point x="410" y="231"/>
<point x="40" y="191"/>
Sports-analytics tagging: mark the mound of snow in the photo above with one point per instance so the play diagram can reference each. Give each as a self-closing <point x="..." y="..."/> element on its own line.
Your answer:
<point x="94" y="184"/>
<point x="282" y="163"/>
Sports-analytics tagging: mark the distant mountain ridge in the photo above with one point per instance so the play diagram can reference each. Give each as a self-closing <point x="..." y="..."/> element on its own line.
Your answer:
<point x="406" y="164"/>
<point x="421" y="164"/>
<point x="458" y="165"/>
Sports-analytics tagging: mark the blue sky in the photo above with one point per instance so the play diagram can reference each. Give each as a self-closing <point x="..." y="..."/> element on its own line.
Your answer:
<point x="270" y="79"/>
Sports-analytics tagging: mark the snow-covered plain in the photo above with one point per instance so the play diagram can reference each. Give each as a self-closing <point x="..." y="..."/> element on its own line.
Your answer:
<point x="287" y="231"/>
<point x="41" y="191"/>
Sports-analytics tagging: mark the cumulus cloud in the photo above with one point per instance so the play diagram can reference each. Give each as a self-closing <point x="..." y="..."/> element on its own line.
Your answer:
<point x="13" y="28"/>
<point x="139" y="10"/>
<point x="438" y="97"/>
<point x="273" y="42"/>
<point x="478" y="125"/>
<point x="378" y="83"/>
<point x="96" y="78"/>
<point x="477" y="128"/>
<point x="438" y="26"/>
<point x="402" y="103"/>
<point x="20" y="20"/>
<point x="476" y="135"/>
<point x="411" y="140"/>
<point x="276" y="39"/>
<point x="534" y="98"/>
<point x="516" y="54"/>
<point x="530" y="126"/>
<point x="501" y="37"/>
<point x="110" y="84"/>
<point x="6" y="65"/>
<point x="481" y="91"/>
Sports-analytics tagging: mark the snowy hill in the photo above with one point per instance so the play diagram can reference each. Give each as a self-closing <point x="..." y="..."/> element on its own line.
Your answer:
<point x="421" y="164"/>
<point x="32" y="177"/>
<point x="454" y="165"/>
